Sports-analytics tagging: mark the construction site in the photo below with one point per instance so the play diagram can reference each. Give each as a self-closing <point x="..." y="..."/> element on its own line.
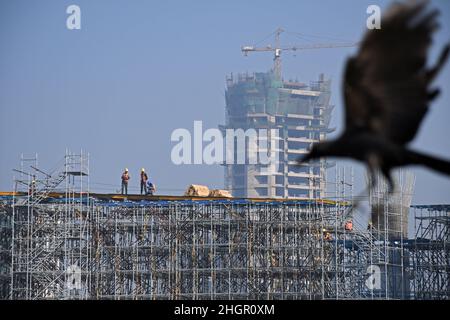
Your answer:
<point x="302" y="232"/>
<point x="59" y="241"/>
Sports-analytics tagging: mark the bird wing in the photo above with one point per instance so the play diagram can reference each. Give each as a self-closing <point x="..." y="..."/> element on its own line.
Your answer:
<point x="386" y="85"/>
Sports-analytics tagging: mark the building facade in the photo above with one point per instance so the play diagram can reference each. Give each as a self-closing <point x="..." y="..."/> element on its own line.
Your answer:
<point x="300" y="115"/>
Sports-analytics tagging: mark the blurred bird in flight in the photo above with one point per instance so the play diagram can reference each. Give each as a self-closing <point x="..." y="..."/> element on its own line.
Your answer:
<point x="387" y="92"/>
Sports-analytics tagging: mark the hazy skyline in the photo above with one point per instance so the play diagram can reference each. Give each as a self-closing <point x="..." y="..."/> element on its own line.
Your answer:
<point x="137" y="70"/>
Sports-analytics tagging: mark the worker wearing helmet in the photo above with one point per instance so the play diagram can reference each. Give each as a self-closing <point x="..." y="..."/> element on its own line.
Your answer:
<point x="125" y="178"/>
<point x="144" y="179"/>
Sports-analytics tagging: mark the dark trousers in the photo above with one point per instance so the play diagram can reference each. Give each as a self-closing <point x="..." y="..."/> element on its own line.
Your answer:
<point x="143" y="187"/>
<point x="124" y="187"/>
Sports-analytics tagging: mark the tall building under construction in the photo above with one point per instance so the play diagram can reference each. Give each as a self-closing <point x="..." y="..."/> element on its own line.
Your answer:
<point x="299" y="113"/>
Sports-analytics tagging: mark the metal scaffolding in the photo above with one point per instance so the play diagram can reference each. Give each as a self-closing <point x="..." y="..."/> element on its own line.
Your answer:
<point x="430" y="252"/>
<point x="73" y="244"/>
<point x="50" y="244"/>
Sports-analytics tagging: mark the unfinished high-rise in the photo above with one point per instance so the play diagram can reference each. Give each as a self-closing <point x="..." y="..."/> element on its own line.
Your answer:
<point x="299" y="114"/>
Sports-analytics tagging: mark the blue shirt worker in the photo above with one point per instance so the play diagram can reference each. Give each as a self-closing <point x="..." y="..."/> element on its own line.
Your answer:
<point x="150" y="188"/>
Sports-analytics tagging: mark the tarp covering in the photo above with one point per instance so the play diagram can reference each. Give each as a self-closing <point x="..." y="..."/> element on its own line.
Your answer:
<point x="220" y="193"/>
<point x="196" y="190"/>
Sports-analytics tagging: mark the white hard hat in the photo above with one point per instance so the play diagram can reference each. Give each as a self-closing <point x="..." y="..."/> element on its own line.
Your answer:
<point x="126" y="169"/>
<point x="143" y="170"/>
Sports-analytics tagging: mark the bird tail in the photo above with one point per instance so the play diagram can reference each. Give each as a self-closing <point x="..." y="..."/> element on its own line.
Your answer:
<point x="440" y="165"/>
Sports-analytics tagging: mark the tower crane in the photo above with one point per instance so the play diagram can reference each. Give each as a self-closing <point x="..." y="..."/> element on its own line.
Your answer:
<point x="278" y="49"/>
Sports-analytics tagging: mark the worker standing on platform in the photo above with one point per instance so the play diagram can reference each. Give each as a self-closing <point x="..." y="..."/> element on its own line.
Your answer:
<point x="125" y="178"/>
<point x="144" y="179"/>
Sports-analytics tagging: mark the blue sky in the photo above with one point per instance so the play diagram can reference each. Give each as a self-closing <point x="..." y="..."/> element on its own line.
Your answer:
<point x="137" y="70"/>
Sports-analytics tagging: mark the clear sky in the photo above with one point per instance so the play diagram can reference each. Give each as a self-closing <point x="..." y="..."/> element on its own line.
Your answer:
<point x="137" y="70"/>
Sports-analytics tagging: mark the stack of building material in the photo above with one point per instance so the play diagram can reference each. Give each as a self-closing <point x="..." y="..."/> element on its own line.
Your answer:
<point x="196" y="190"/>
<point x="220" y="193"/>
